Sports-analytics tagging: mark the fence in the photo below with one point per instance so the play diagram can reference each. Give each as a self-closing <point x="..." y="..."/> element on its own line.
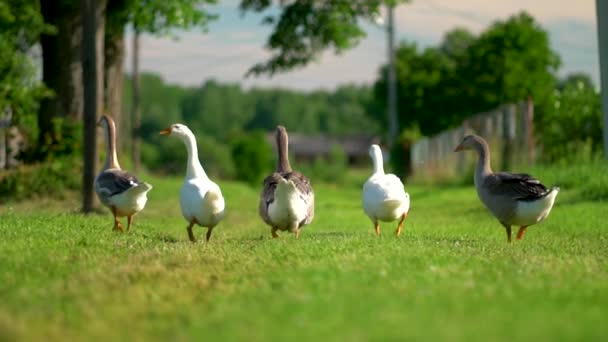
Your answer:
<point x="508" y="129"/>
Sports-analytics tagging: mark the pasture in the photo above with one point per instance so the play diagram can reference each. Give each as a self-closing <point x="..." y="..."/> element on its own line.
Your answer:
<point x="451" y="275"/>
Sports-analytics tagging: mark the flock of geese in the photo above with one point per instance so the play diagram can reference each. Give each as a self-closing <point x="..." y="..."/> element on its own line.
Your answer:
<point x="287" y="200"/>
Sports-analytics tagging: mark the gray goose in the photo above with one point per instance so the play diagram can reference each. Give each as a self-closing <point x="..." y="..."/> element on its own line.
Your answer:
<point x="118" y="190"/>
<point x="287" y="201"/>
<point x="515" y="199"/>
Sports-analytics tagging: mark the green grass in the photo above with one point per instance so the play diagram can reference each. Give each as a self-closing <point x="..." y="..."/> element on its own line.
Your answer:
<point x="451" y="275"/>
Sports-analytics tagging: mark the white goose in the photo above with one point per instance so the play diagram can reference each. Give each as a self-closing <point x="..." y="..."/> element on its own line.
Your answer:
<point x="384" y="198"/>
<point x="118" y="190"/>
<point x="200" y="198"/>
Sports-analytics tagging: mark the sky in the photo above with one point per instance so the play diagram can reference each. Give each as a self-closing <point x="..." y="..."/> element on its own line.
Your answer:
<point x="234" y="42"/>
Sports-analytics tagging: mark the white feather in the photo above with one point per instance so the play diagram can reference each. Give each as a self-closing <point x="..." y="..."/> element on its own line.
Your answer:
<point x="131" y="201"/>
<point x="288" y="209"/>
<point x="384" y="197"/>
<point x="200" y="198"/>
<point x="202" y="201"/>
<point x="531" y="212"/>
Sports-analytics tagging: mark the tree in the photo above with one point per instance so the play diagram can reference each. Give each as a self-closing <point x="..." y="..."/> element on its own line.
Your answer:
<point x="303" y="29"/>
<point x="21" y="25"/>
<point x="465" y="75"/>
<point x="61" y="71"/>
<point x="93" y="21"/>
<point x="157" y="17"/>
<point x="509" y="62"/>
<point x="574" y="79"/>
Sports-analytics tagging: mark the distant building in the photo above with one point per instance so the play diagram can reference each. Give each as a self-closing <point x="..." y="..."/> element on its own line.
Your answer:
<point x="307" y="148"/>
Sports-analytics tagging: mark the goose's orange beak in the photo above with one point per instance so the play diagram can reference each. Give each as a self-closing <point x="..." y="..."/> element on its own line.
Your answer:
<point x="166" y="131"/>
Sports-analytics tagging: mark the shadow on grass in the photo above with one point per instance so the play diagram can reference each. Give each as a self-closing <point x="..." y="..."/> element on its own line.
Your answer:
<point x="166" y="238"/>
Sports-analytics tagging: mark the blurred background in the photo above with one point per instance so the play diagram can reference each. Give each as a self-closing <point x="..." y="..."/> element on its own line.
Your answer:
<point x="413" y="76"/>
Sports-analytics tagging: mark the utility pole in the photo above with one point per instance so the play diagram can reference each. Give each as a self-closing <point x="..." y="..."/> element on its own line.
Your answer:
<point x="601" y="10"/>
<point x="393" y="120"/>
<point x="136" y="114"/>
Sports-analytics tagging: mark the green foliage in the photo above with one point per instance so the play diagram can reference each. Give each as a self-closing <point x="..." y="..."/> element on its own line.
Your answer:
<point x="401" y="152"/>
<point x="584" y="180"/>
<point x="303" y="29"/>
<point x="440" y="86"/>
<point x="252" y="158"/>
<point x="571" y="122"/>
<point x="51" y="178"/>
<point x="160" y="16"/>
<point x="218" y="112"/>
<point x="331" y="169"/>
<point x="21" y="24"/>
<point x="168" y="155"/>
<point x="157" y="17"/>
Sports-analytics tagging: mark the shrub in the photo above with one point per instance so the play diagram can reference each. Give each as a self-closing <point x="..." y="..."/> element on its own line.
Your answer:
<point x="50" y="178"/>
<point x="252" y="157"/>
<point x="169" y="155"/>
<point x="330" y="169"/>
<point x="400" y="154"/>
<point x="571" y="124"/>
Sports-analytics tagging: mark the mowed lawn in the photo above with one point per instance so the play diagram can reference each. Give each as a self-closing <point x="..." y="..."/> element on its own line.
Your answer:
<point x="450" y="276"/>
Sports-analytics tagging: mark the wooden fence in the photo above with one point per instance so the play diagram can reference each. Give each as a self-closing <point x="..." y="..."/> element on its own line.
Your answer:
<point x="508" y="129"/>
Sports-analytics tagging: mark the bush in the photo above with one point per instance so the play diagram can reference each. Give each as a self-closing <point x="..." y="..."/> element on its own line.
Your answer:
<point x="169" y="155"/>
<point x="50" y="178"/>
<point x="571" y="124"/>
<point x="330" y="169"/>
<point x="401" y="152"/>
<point x="252" y="157"/>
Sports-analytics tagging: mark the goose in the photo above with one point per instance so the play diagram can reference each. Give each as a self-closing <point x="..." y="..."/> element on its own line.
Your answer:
<point x="118" y="190"/>
<point x="384" y="197"/>
<point x="515" y="199"/>
<point x="287" y="201"/>
<point x="200" y="198"/>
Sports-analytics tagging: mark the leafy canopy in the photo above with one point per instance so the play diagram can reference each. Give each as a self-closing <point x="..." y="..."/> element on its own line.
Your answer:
<point x="305" y="28"/>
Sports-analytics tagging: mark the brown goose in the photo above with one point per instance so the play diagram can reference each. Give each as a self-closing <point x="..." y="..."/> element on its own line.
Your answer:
<point x="287" y="201"/>
<point x="118" y="190"/>
<point x="515" y="199"/>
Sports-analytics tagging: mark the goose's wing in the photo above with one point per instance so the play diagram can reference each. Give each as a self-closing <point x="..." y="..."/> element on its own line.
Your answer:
<point x="114" y="181"/>
<point x="304" y="189"/>
<point x="267" y="195"/>
<point x="306" y="193"/>
<point x="518" y="186"/>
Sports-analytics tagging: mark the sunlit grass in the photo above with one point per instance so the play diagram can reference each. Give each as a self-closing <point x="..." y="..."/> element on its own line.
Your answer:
<point x="451" y="275"/>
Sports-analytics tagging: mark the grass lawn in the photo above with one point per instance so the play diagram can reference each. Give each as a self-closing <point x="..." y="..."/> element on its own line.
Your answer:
<point x="451" y="275"/>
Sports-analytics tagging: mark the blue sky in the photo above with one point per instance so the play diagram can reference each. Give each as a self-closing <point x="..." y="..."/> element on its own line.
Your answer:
<point x="235" y="42"/>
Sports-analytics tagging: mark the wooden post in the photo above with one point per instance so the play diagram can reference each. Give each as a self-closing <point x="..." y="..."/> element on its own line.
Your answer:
<point x="136" y="110"/>
<point x="529" y="124"/>
<point x="508" y="133"/>
<point x="462" y="157"/>
<point x="601" y="10"/>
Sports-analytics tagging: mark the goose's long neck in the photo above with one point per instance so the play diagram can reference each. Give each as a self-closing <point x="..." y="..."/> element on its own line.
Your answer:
<point x="378" y="162"/>
<point x="483" y="161"/>
<point x="282" y="147"/>
<point x="111" y="158"/>
<point x="194" y="168"/>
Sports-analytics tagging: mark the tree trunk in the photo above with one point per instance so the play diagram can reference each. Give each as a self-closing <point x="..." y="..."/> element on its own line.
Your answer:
<point x="136" y="141"/>
<point x="93" y="26"/>
<point x="61" y="69"/>
<point x="113" y="80"/>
